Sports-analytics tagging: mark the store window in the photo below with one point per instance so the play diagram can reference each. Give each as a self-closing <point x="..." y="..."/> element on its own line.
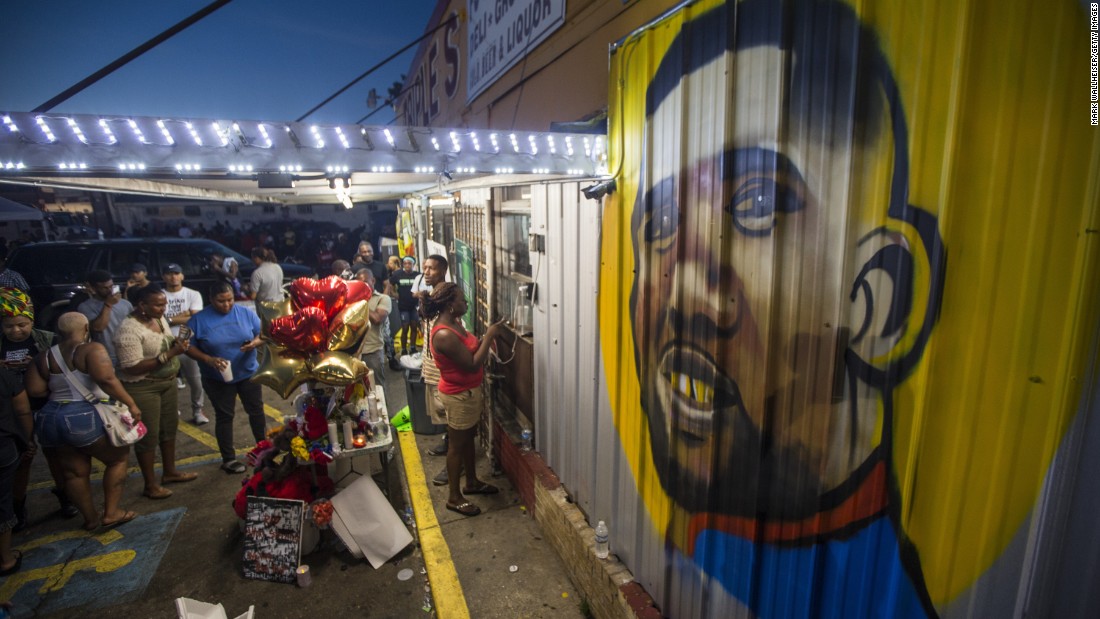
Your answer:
<point x="512" y="256"/>
<point x="441" y="222"/>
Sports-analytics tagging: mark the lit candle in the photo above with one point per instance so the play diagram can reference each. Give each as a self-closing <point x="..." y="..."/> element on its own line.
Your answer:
<point x="304" y="577"/>
<point x="348" y="438"/>
<point x="332" y="438"/>
<point x="359" y="439"/>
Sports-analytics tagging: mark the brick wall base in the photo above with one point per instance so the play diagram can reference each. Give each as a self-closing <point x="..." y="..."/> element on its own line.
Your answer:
<point x="606" y="584"/>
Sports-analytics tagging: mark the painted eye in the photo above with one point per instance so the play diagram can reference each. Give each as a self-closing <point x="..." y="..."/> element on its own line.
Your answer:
<point x="663" y="214"/>
<point x="757" y="202"/>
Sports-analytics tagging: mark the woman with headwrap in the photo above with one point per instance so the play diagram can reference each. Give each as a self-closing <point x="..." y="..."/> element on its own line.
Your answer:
<point x="19" y="343"/>
<point x="16" y="436"/>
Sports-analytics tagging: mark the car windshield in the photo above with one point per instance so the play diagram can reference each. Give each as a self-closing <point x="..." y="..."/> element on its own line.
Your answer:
<point x="64" y="264"/>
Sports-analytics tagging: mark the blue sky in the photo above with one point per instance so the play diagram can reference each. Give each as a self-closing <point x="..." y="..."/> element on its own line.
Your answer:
<point x="251" y="59"/>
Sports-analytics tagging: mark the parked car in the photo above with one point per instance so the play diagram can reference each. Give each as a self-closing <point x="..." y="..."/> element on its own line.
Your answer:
<point x="56" y="271"/>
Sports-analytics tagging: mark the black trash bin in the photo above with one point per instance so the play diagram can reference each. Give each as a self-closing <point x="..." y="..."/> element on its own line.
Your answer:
<point x="418" y="412"/>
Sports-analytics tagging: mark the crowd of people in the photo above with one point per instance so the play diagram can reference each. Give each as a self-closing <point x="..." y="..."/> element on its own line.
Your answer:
<point x="140" y="344"/>
<point x="290" y="241"/>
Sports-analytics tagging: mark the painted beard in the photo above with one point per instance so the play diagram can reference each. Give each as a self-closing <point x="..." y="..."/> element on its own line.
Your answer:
<point x="709" y="452"/>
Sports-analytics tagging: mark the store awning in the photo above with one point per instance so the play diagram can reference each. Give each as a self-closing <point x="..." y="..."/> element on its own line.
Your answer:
<point x="14" y="211"/>
<point x="279" y="162"/>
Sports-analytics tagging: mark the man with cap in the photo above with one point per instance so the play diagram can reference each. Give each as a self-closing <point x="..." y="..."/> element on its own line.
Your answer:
<point x="139" y="278"/>
<point x="402" y="283"/>
<point x="105" y="309"/>
<point x="184" y="302"/>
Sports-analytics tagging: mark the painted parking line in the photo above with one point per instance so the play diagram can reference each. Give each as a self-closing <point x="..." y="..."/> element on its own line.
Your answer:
<point x="199" y="435"/>
<point x="133" y="470"/>
<point x="273" y="412"/>
<point x="205" y="438"/>
<point x="81" y="569"/>
<point x="450" y="601"/>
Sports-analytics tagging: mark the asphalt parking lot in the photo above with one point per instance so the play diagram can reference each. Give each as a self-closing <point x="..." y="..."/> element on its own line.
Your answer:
<point x="190" y="545"/>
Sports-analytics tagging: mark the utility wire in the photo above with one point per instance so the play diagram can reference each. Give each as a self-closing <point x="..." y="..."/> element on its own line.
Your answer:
<point x="132" y="54"/>
<point x="376" y="67"/>
<point x="390" y="101"/>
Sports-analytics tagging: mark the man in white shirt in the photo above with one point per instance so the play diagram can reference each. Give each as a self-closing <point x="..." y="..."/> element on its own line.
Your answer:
<point x="182" y="304"/>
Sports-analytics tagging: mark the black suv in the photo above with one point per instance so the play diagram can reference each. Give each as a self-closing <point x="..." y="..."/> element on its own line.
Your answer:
<point x="56" y="271"/>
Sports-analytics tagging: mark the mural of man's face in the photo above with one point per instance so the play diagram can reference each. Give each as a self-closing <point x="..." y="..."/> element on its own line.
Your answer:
<point x="741" y="309"/>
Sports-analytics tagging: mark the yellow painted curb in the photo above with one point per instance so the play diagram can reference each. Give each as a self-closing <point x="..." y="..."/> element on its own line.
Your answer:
<point x="450" y="601"/>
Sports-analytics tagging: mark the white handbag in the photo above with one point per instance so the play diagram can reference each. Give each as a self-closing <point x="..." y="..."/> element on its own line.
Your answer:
<point x="117" y="420"/>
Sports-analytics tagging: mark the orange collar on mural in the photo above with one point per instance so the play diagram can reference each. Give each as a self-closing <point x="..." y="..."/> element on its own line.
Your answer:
<point x="867" y="501"/>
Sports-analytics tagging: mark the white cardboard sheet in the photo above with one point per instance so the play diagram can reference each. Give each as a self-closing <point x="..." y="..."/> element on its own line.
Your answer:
<point x="363" y="518"/>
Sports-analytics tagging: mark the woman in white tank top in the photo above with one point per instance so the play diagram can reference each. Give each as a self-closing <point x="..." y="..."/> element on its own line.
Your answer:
<point x="69" y="429"/>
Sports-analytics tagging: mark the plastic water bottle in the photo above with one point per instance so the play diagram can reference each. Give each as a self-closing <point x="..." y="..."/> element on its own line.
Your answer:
<point x="525" y="440"/>
<point x="602" y="547"/>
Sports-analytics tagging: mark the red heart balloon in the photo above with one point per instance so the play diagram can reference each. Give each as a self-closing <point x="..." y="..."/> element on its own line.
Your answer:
<point x="328" y="294"/>
<point x="304" y="331"/>
<point x="358" y="291"/>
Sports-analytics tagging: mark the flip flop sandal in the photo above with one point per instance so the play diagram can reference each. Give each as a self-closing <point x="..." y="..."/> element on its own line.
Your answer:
<point x="127" y="518"/>
<point x="163" y="494"/>
<point x="179" y="479"/>
<point x="484" y="488"/>
<point x="466" y="508"/>
<point x="18" y="564"/>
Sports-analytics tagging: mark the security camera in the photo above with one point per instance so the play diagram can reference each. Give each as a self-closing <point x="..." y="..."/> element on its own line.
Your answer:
<point x="599" y="189"/>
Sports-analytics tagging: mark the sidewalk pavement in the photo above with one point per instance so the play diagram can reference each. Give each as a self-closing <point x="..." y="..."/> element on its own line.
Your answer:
<point x="190" y="545"/>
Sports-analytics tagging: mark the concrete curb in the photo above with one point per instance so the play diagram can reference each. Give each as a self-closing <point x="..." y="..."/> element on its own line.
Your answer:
<point x="607" y="585"/>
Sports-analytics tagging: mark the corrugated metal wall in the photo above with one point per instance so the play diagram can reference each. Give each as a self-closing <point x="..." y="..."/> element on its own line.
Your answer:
<point x="565" y="325"/>
<point x="846" y="304"/>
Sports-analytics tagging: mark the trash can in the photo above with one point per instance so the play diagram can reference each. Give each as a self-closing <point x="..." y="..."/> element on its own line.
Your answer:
<point x="414" y="393"/>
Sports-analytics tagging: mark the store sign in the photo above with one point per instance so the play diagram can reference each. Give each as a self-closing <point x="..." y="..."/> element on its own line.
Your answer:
<point x="501" y="33"/>
<point x="435" y="80"/>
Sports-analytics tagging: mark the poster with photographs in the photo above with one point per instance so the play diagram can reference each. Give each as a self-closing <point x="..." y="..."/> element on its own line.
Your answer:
<point x="273" y="538"/>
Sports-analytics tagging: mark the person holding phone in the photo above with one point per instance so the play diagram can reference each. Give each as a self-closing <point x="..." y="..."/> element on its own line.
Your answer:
<point x="183" y="303"/>
<point x="20" y="342"/>
<point x="148" y="364"/>
<point x="105" y="309"/>
<point x="224" y="339"/>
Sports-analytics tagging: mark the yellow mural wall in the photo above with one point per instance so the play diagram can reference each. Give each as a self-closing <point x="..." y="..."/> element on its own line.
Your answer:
<point x="954" y="340"/>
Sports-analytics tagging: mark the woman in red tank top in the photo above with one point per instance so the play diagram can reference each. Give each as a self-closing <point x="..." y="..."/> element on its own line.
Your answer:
<point x="459" y="355"/>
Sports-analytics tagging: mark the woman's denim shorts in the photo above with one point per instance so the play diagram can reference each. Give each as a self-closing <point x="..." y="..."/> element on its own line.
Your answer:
<point x="76" y="424"/>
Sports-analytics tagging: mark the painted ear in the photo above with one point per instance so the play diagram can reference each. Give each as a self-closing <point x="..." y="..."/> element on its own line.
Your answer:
<point x="882" y="304"/>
